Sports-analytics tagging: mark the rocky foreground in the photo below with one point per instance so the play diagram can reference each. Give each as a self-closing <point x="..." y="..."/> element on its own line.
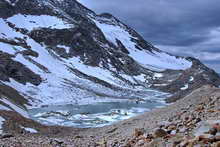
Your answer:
<point x="191" y="121"/>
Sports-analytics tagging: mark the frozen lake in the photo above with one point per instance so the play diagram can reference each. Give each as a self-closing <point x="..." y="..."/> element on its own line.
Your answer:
<point x="96" y="114"/>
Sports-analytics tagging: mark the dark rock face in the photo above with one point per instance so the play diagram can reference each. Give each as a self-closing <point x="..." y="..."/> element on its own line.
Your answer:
<point x="17" y="71"/>
<point x="77" y="39"/>
<point x="18" y="42"/>
<point x="12" y="95"/>
<point x="23" y="7"/>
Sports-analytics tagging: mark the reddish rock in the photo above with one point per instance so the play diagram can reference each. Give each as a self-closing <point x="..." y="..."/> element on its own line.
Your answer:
<point x="138" y="132"/>
<point x="217" y="144"/>
<point x="159" y="133"/>
<point x="217" y="138"/>
<point x="217" y="127"/>
<point x="200" y="108"/>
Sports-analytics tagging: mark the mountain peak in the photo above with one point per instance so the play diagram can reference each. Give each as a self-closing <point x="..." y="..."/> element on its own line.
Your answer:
<point x="61" y="52"/>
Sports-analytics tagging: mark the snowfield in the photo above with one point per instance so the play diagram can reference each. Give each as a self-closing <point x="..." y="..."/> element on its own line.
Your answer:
<point x="7" y="32"/>
<point x="143" y="57"/>
<point x="55" y="85"/>
<point x="31" y="22"/>
<point x="61" y="85"/>
<point x="13" y="107"/>
<point x="1" y="123"/>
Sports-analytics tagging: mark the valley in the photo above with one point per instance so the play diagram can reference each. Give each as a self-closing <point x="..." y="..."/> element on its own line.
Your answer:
<point x="69" y="76"/>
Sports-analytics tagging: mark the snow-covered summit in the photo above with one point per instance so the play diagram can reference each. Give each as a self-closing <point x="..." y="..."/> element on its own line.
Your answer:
<point x="115" y="32"/>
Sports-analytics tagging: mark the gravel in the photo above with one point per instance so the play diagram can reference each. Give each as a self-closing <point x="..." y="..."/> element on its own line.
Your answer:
<point x="120" y="133"/>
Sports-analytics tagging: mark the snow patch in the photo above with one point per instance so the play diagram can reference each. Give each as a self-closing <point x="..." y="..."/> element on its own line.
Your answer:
<point x="52" y="120"/>
<point x="157" y="75"/>
<point x="140" y="77"/>
<point x="15" y="108"/>
<point x="31" y="22"/>
<point x="157" y="59"/>
<point x="4" y="108"/>
<point x="97" y="72"/>
<point x="65" y="47"/>
<point x="1" y="123"/>
<point x="31" y="130"/>
<point x="191" y="79"/>
<point x="186" y="86"/>
<point x="163" y="84"/>
<point x="8" y="32"/>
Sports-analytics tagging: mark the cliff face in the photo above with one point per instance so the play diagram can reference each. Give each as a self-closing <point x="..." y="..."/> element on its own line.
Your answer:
<point x="56" y="51"/>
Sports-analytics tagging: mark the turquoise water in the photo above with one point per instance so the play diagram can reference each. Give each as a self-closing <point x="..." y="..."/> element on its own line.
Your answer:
<point x="94" y="115"/>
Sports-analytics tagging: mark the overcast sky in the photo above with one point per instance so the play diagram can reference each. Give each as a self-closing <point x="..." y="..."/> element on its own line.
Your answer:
<point x="188" y="27"/>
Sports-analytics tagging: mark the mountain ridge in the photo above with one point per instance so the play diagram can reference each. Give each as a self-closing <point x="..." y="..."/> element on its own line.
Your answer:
<point x="61" y="52"/>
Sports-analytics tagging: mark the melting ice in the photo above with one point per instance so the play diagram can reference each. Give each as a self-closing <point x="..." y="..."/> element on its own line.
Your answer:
<point x="94" y="115"/>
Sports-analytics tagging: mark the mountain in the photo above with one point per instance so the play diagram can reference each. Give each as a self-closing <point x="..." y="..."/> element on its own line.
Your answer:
<point x="58" y="51"/>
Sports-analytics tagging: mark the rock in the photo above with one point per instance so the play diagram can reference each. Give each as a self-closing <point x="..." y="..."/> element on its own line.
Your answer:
<point x="56" y="141"/>
<point x="205" y="138"/>
<point x="138" y="132"/>
<point x="155" y="143"/>
<point x="190" y="144"/>
<point x="164" y="123"/>
<point x="184" y="143"/>
<point x="102" y="143"/>
<point x="149" y="136"/>
<point x="182" y="130"/>
<point x="78" y="137"/>
<point x="112" y="130"/>
<point x="169" y="131"/>
<point x="18" y="144"/>
<point x="217" y="144"/>
<point x="140" y="143"/>
<point x="172" y="127"/>
<point x="198" y="120"/>
<point x="175" y="143"/>
<point x="159" y="133"/>
<point x="6" y="135"/>
<point x="217" y="127"/>
<point x="29" y="53"/>
<point x="19" y="72"/>
<point x="217" y="138"/>
<point x="200" y="108"/>
<point x="213" y="131"/>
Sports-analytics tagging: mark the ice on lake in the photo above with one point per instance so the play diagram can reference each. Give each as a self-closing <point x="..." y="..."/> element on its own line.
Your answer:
<point x="94" y="115"/>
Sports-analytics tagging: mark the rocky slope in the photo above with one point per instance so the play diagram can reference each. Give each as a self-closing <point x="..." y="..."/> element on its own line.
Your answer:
<point x="58" y="51"/>
<point x="192" y="121"/>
